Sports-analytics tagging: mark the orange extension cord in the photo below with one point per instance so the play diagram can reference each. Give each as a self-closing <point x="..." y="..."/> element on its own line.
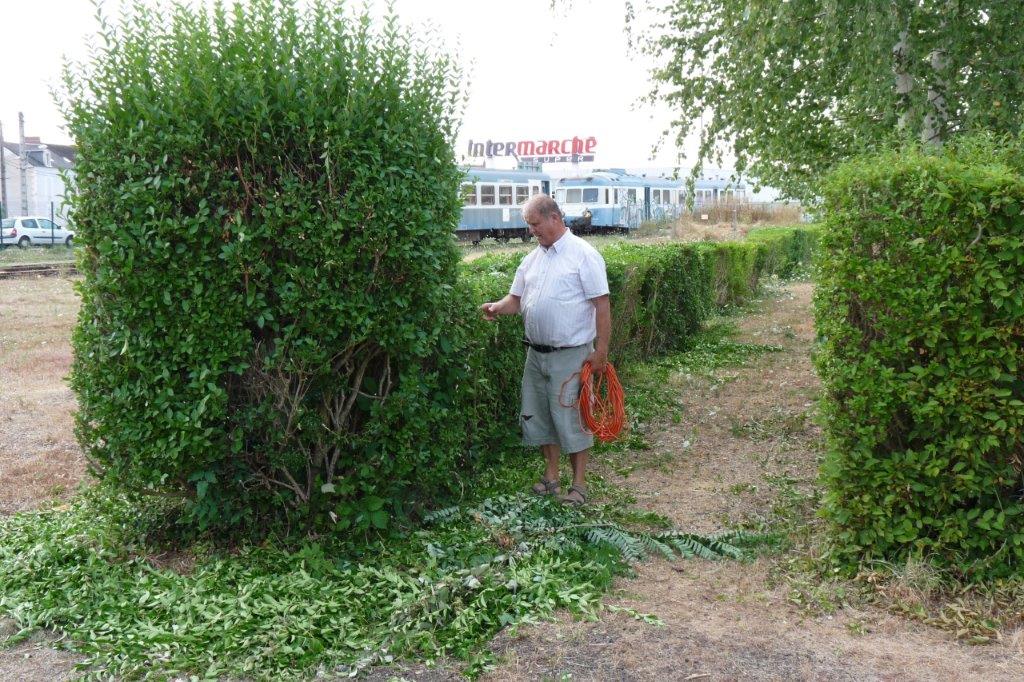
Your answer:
<point x="603" y="414"/>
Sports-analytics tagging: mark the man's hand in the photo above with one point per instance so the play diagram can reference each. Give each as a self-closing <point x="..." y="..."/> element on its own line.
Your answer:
<point x="598" y="361"/>
<point x="490" y="310"/>
<point x="506" y="306"/>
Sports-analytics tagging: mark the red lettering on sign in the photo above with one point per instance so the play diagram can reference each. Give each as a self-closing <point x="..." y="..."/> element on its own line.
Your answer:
<point x="526" y="148"/>
<point x="591" y="143"/>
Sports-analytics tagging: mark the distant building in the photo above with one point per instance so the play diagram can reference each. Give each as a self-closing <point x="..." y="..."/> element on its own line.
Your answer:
<point x="44" y="187"/>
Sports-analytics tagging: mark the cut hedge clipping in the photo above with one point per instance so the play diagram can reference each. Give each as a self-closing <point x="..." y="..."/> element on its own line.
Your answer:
<point x="920" y="307"/>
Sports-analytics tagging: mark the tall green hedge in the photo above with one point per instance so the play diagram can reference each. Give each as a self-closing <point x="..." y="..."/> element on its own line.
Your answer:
<point x="660" y="294"/>
<point x="266" y="197"/>
<point x="920" y="305"/>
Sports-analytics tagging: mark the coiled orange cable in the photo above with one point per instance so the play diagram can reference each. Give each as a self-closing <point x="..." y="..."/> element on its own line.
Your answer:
<point x="602" y="403"/>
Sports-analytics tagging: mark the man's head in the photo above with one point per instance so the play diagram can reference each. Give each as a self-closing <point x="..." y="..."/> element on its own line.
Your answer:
<point x="544" y="217"/>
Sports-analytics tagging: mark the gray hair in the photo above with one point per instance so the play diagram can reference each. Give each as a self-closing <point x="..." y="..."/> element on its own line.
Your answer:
<point x="542" y="206"/>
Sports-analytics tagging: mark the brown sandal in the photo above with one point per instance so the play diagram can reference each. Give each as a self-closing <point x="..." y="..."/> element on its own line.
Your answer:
<point x="546" y="487"/>
<point x="576" y="497"/>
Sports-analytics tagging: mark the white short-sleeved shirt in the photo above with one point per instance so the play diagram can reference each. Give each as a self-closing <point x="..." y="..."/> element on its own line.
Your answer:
<point x="555" y="285"/>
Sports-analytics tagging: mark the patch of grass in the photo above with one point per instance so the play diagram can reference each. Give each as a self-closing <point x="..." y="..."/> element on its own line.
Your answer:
<point x="777" y="425"/>
<point x="12" y="255"/>
<point x="651" y="393"/>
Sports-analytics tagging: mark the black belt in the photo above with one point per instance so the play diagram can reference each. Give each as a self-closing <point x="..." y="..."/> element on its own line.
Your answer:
<point x="546" y="349"/>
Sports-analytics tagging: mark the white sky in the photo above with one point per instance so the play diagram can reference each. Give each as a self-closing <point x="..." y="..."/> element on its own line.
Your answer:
<point x="533" y="72"/>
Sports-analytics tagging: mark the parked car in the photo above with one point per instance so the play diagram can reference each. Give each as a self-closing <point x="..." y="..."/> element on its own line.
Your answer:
<point x="28" y="231"/>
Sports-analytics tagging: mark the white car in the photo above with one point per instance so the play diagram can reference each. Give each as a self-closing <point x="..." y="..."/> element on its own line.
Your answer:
<point x="28" y="231"/>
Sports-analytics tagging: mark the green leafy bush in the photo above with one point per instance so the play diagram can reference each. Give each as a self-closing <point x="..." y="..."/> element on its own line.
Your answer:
<point x="266" y="198"/>
<point x="661" y="295"/>
<point x="920" y="306"/>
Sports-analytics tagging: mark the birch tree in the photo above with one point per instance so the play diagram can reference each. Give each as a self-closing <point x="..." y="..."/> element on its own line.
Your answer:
<point x="790" y="87"/>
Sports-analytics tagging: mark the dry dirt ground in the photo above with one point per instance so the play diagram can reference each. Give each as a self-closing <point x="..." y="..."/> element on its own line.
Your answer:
<point x="39" y="458"/>
<point x="746" y="440"/>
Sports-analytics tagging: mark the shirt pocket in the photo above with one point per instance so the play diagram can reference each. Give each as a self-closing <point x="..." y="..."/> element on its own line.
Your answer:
<point x="567" y="287"/>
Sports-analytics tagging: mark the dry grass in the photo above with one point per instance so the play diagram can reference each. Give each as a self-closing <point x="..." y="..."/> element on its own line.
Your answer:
<point x="39" y="458"/>
<point x="12" y="255"/>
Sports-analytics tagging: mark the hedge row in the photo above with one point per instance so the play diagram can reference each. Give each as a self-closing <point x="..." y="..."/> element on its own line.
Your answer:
<point x="920" y="304"/>
<point x="265" y="197"/>
<point x="661" y="294"/>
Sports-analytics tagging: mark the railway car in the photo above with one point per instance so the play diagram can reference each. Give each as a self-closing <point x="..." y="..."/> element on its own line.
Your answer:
<point x="615" y="201"/>
<point x="492" y="201"/>
<point x="612" y="200"/>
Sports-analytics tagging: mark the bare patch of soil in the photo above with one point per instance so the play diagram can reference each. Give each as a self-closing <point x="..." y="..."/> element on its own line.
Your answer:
<point x="742" y="430"/>
<point x="39" y="458"/>
<point x="35" y="659"/>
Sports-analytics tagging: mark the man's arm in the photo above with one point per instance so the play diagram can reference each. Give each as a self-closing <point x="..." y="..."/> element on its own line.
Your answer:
<point x="599" y="358"/>
<point x="506" y="306"/>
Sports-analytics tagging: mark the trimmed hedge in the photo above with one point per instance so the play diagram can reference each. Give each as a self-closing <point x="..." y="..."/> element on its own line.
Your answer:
<point x="661" y="295"/>
<point x="265" y="196"/>
<point x="920" y="303"/>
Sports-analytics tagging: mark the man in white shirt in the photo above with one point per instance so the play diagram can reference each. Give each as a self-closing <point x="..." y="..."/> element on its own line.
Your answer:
<point x="561" y="289"/>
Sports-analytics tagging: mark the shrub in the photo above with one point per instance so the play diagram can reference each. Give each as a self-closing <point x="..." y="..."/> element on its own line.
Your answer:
<point x="921" y="308"/>
<point x="661" y="295"/>
<point x="266" y="198"/>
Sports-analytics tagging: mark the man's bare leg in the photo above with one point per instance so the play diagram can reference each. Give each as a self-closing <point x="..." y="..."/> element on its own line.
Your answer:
<point x="579" y="467"/>
<point x="552" y="454"/>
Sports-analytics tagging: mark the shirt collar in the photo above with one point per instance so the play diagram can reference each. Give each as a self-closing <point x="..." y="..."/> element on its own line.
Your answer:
<point x="560" y="243"/>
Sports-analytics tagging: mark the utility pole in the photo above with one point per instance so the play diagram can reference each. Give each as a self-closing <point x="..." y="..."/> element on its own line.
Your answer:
<point x="3" y="174"/>
<point x="22" y="164"/>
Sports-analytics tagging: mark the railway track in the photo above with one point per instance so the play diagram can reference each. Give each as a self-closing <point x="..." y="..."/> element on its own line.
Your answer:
<point x="37" y="270"/>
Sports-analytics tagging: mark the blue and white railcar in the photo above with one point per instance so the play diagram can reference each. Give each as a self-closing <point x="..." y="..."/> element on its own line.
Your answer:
<point x="611" y="200"/>
<point x="492" y="201"/>
<point x="708" y="190"/>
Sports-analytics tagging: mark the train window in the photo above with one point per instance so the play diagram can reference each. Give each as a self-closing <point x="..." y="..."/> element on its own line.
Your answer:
<point x="560" y="196"/>
<point x="631" y="196"/>
<point x="487" y="195"/>
<point x="656" y="196"/>
<point x="505" y="195"/>
<point x="590" y="195"/>
<point x="468" y="195"/>
<point x="522" y="194"/>
<point x="573" y="196"/>
<point x="535" y="190"/>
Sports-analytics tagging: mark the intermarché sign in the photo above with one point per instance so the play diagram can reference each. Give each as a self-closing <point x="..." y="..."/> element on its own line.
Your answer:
<point x="570" y="149"/>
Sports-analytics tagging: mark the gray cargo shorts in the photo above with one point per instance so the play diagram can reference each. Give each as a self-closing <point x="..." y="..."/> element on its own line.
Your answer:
<point x="543" y="419"/>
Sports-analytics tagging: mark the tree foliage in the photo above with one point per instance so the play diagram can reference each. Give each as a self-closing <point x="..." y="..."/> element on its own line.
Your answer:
<point x="791" y="87"/>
